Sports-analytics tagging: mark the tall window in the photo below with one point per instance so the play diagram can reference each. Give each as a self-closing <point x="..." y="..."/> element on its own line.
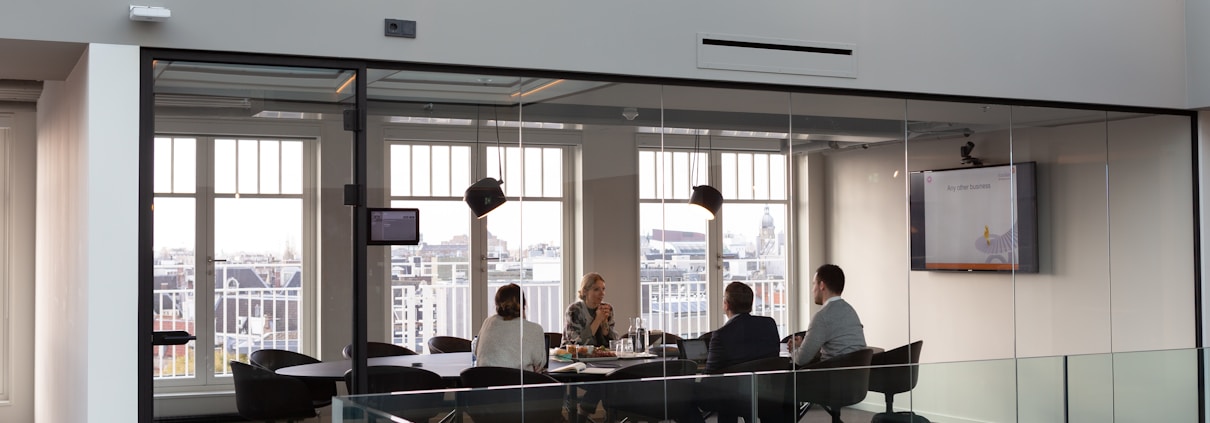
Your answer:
<point x="679" y="259"/>
<point x="525" y="237"/>
<point x="231" y="251"/>
<point x="432" y="282"/>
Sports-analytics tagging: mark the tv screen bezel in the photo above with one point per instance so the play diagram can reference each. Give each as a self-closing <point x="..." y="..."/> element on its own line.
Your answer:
<point x="370" y="240"/>
<point x="1027" y="256"/>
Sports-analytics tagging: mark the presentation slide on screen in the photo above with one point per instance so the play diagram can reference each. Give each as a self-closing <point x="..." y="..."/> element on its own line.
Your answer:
<point x="968" y="219"/>
<point x="393" y="226"/>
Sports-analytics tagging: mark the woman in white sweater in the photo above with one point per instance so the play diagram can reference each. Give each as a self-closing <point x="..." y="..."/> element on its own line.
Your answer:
<point x="507" y="339"/>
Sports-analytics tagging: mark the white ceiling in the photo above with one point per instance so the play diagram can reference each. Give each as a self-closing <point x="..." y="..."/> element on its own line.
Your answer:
<point x="563" y="99"/>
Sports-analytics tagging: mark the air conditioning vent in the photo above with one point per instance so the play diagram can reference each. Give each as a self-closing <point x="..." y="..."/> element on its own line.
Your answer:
<point x="776" y="55"/>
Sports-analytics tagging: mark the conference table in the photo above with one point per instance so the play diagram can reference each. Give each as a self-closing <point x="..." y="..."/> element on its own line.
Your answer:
<point x="450" y="366"/>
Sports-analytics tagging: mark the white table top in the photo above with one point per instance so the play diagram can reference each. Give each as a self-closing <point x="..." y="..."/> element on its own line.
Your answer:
<point x="449" y="365"/>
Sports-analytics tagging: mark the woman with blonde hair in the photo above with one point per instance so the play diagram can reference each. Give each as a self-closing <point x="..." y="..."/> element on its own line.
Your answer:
<point x="590" y="320"/>
<point x="507" y="339"/>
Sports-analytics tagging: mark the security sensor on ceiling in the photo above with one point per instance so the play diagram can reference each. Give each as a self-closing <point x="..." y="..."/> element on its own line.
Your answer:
<point x="149" y="13"/>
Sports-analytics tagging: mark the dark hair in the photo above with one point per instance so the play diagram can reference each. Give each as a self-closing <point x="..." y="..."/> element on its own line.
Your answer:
<point x="509" y="301"/>
<point x="832" y="277"/>
<point x="738" y="296"/>
<point x="587" y="282"/>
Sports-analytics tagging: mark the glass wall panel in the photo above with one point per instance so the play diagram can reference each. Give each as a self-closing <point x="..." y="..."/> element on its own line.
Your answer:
<point x="1043" y="254"/>
<point x="238" y="219"/>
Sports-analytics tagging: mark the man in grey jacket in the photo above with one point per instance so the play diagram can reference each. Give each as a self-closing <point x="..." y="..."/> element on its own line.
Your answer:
<point x="835" y="329"/>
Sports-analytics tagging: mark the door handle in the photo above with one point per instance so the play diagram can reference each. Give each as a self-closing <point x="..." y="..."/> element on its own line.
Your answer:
<point x="171" y="337"/>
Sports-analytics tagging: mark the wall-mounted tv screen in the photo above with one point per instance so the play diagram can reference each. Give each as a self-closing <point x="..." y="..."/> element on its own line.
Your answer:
<point x="394" y="227"/>
<point x="965" y="219"/>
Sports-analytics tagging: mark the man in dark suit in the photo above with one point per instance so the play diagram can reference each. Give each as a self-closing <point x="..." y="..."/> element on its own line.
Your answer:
<point x="743" y="338"/>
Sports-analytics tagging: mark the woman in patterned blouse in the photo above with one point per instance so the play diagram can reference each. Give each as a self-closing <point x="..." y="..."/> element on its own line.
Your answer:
<point x="590" y="320"/>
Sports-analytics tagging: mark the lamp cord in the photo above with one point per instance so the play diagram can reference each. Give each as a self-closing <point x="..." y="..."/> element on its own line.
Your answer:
<point x="499" y="152"/>
<point x="693" y="160"/>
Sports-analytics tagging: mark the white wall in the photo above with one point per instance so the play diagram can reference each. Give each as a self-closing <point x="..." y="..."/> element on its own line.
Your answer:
<point x="607" y="234"/>
<point x="1115" y="51"/>
<point x="1197" y="39"/>
<point x="1117" y="265"/>
<point x="86" y="261"/>
<point x="21" y="167"/>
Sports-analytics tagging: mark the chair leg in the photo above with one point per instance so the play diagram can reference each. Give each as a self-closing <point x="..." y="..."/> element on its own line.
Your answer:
<point x="889" y="399"/>
<point x="835" y="412"/>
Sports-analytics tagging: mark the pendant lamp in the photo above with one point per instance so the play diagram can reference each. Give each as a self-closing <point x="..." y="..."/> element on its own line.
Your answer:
<point x="706" y="196"/>
<point x="487" y="194"/>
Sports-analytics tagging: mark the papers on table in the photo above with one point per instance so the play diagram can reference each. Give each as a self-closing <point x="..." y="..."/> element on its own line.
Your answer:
<point x="582" y="368"/>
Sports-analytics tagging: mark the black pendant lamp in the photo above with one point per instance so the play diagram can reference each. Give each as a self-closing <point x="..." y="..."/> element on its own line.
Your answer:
<point x="705" y="196"/>
<point x="708" y="198"/>
<point x="487" y="194"/>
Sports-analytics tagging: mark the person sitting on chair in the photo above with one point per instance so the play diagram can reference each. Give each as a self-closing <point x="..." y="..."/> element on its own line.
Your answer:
<point x="835" y="329"/>
<point x="742" y="338"/>
<point x="498" y="338"/>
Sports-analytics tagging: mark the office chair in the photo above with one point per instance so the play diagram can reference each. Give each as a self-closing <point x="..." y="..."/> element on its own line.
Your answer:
<point x="632" y="394"/>
<point x="263" y="395"/>
<point x="379" y="349"/>
<point x="731" y="396"/>
<point x="448" y="344"/>
<point x="833" y="383"/>
<point x="322" y="391"/>
<point x="893" y="372"/>
<point x="530" y="404"/>
<point x="413" y="407"/>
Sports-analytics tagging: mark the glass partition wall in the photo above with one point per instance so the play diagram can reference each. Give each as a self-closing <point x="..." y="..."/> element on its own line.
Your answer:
<point x="246" y="201"/>
<point x="1038" y="251"/>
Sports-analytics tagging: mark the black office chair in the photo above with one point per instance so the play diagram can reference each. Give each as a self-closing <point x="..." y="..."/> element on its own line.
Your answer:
<point x="554" y="339"/>
<point x="834" y="383"/>
<point x="322" y="391"/>
<point x="448" y="344"/>
<point x="379" y="349"/>
<point x="530" y="404"/>
<point x="731" y="396"/>
<point x="631" y="395"/>
<point x="413" y="407"/>
<point x="896" y="372"/>
<point x="261" y="394"/>
<point x="665" y="345"/>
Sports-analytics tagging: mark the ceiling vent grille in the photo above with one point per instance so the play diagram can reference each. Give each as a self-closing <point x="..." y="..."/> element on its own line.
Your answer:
<point x="776" y="55"/>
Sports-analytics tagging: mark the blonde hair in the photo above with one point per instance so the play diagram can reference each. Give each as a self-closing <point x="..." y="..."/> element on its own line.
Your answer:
<point x="587" y="281"/>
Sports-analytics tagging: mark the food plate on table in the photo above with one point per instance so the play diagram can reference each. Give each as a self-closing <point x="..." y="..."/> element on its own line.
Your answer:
<point x="636" y="355"/>
<point x="591" y="359"/>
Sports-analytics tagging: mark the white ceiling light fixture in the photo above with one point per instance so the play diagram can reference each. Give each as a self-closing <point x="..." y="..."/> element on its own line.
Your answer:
<point x="149" y="13"/>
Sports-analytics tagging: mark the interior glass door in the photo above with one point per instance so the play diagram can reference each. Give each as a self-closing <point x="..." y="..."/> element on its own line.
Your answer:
<point x="238" y="215"/>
